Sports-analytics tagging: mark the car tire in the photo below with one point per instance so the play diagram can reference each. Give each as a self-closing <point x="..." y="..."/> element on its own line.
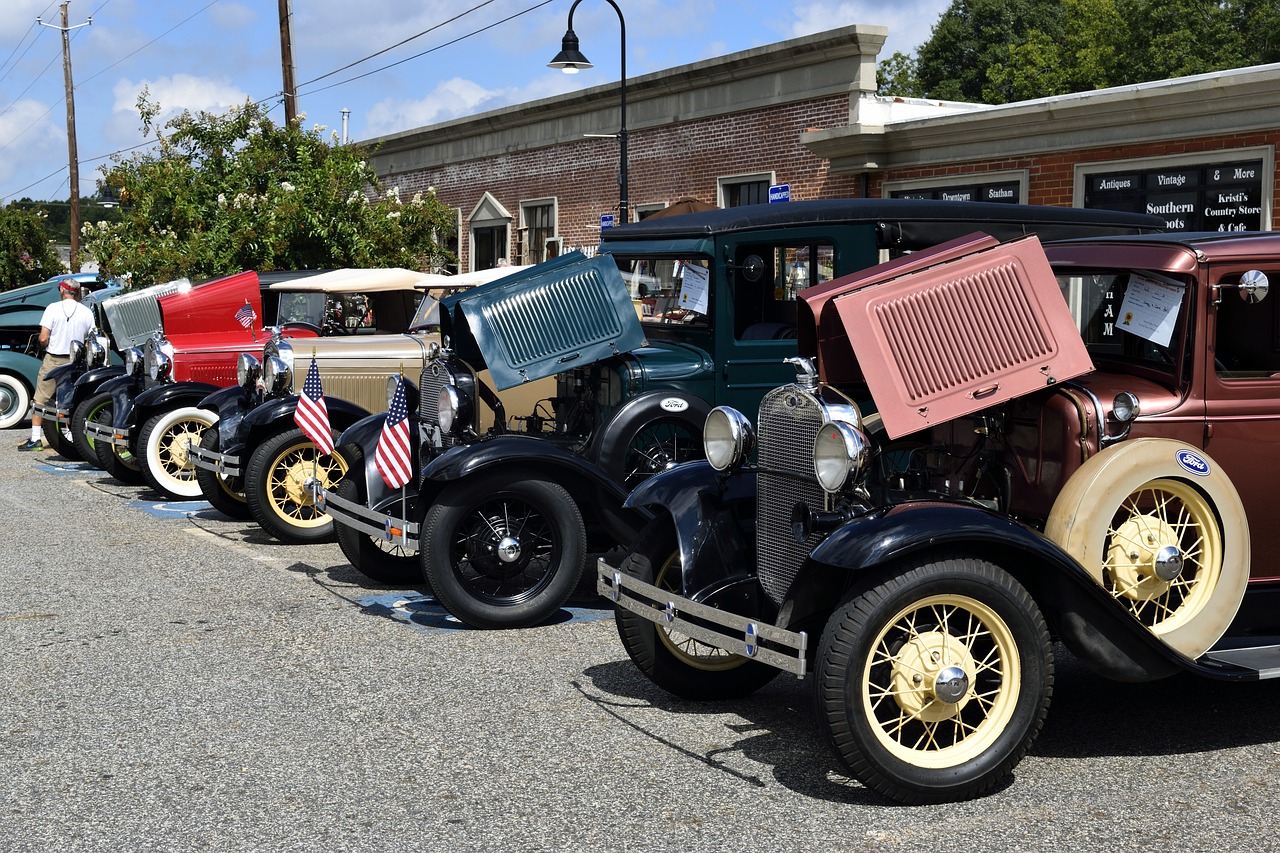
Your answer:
<point x="94" y="408"/>
<point x="165" y="442"/>
<point x="275" y="487"/>
<point x="933" y="683"/>
<point x="15" y="400"/>
<point x="225" y="494"/>
<point x="373" y="556"/>
<point x="676" y="662"/>
<point x="58" y="437"/>
<point x="541" y="531"/>
<point x="652" y="447"/>
<point x="119" y="462"/>
<point x="1141" y="485"/>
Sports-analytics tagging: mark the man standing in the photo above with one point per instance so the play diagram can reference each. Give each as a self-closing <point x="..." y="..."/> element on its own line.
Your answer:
<point x="63" y="322"/>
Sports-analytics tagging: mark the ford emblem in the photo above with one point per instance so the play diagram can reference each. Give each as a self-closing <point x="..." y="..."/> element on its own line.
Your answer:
<point x="1192" y="462"/>
<point x="674" y="404"/>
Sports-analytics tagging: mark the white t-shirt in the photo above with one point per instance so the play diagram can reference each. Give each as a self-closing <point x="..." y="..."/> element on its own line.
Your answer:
<point x="67" y="320"/>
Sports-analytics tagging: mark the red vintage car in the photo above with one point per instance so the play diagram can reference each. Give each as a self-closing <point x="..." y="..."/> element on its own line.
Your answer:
<point x="988" y="447"/>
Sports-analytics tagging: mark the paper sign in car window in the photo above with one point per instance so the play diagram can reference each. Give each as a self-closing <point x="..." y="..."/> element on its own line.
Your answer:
<point x="693" y="289"/>
<point x="1149" y="309"/>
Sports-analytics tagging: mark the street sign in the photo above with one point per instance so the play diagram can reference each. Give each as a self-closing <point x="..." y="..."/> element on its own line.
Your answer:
<point x="779" y="192"/>
<point x="606" y="221"/>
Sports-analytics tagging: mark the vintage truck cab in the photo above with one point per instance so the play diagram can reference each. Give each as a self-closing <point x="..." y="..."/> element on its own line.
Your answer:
<point x="672" y="317"/>
<point x="987" y="447"/>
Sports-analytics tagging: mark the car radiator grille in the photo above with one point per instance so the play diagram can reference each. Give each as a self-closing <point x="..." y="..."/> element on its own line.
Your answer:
<point x="435" y="375"/>
<point x="789" y="420"/>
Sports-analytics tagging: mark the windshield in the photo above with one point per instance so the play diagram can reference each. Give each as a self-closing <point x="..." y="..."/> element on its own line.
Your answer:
<point x="332" y="313"/>
<point x="668" y="291"/>
<point x="1135" y="315"/>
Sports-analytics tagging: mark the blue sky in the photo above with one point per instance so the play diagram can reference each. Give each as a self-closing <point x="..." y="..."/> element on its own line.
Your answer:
<point x="202" y="55"/>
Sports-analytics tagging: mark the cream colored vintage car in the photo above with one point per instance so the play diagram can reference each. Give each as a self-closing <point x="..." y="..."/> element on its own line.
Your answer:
<point x="254" y="461"/>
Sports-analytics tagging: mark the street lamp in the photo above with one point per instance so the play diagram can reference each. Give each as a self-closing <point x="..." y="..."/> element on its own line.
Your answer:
<point x="570" y="60"/>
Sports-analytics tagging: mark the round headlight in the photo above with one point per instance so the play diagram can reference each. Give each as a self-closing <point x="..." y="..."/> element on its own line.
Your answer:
<point x="97" y="346"/>
<point x="77" y="347"/>
<point x="248" y="369"/>
<point x="392" y="381"/>
<point x="133" y="359"/>
<point x="1125" y="407"/>
<point x="452" y="408"/>
<point x="277" y="376"/>
<point x="840" y="453"/>
<point x="727" y="438"/>
<point x="159" y="364"/>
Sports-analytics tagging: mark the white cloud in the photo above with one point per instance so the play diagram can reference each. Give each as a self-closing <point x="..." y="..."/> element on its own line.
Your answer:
<point x="910" y="22"/>
<point x="177" y="93"/>
<point x="452" y="99"/>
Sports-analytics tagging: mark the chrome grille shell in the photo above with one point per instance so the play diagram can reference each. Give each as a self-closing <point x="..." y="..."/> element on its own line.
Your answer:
<point x="789" y="420"/>
<point x="438" y="372"/>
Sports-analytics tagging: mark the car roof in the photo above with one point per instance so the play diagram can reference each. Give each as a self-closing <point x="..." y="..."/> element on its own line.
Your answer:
<point x="355" y="281"/>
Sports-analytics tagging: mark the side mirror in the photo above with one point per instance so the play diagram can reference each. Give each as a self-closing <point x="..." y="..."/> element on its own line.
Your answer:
<point x="1253" y="286"/>
<point x="752" y="268"/>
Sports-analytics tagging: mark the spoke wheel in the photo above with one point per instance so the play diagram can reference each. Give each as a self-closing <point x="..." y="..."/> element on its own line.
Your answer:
<point x="657" y="446"/>
<point x="276" y="487"/>
<point x="119" y="462"/>
<point x="677" y="662"/>
<point x="503" y="550"/>
<point x="225" y="494"/>
<point x="165" y="442"/>
<point x="374" y="557"/>
<point x="59" y="438"/>
<point x="15" y="400"/>
<point x="934" y="683"/>
<point x="96" y="408"/>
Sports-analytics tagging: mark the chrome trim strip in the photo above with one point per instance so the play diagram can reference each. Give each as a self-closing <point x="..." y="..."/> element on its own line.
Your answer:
<point x="360" y="517"/>
<point x="222" y="464"/>
<point x="739" y="635"/>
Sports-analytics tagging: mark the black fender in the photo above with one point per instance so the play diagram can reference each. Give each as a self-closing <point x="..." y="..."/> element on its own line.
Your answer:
<point x="276" y="415"/>
<point x="64" y="380"/>
<point x="714" y="517"/>
<point x="230" y="405"/>
<point x="597" y="494"/>
<point x="123" y="390"/>
<point x="1083" y="614"/>
<point x="365" y="434"/>
<point x="90" y="382"/>
<point x="161" y="398"/>
<point x="609" y="446"/>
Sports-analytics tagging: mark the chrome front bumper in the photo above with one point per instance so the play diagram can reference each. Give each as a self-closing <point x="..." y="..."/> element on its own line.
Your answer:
<point x="222" y="464"/>
<point x="52" y="413"/>
<point x="776" y="647"/>
<point x="106" y="432"/>
<point x="359" y="517"/>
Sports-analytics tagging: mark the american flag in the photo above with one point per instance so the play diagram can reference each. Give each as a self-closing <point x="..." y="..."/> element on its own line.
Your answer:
<point x="312" y="414"/>
<point x="246" y="315"/>
<point x="392" y="456"/>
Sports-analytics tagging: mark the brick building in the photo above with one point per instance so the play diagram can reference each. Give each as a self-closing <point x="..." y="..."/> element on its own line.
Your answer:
<point x="536" y="179"/>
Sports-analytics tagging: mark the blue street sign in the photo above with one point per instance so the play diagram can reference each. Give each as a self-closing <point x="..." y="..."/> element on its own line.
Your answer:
<point x="606" y="221"/>
<point x="779" y="192"/>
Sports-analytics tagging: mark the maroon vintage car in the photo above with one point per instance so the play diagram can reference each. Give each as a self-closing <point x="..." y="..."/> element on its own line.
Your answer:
<point x="988" y="447"/>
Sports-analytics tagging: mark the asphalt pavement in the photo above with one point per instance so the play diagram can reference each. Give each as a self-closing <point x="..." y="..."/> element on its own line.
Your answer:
<point x="175" y="680"/>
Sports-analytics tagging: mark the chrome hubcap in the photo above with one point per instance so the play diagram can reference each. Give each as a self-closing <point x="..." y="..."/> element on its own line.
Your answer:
<point x="509" y="549"/>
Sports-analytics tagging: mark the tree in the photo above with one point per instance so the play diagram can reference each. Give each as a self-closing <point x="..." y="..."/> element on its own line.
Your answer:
<point x="26" y="255"/>
<point x="998" y="51"/>
<point x="231" y="192"/>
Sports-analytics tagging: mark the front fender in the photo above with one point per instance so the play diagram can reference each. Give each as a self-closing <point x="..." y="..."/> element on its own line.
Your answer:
<point x="1083" y="614"/>
<point x="610" y="446"/>
<point x="171" y="395"/>
<point x="594" y="490"/>
<point x="365" y="434"/>
<point x="276" y="414"/>
<point x="91" y="380"/>
<point x="21" y="364"/>
<point x="64" y="378"/>
<point x="230" y="405"/>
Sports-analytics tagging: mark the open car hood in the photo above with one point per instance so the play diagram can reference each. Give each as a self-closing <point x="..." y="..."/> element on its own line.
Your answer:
<point x="135" y="316"/>
<point x="945" y="332"/>
<point x="564" y="313"/>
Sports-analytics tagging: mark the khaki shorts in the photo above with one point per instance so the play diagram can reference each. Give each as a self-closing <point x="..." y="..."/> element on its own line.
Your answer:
<point x="46" y="388"/>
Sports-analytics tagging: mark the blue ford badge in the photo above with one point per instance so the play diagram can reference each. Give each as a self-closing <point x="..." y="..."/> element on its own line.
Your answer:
<point x="1192" y="462"/>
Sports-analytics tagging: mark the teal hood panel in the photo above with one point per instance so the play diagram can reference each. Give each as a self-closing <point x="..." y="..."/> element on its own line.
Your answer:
<point x="565" y="313"/>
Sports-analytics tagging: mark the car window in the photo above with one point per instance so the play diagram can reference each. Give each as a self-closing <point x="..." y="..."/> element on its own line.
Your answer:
<point x="765" y="285"/>
<point x="1133" y="315"/>
<point x="1248" y="334"/>
<point x="668" y="291"/>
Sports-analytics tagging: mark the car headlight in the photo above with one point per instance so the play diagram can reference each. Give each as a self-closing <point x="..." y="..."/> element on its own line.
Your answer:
<point x="1125" y="407"/>
<point x="453" y="407"/>
<point x="277" y="376"/>
<point x="840" y="452"/>
<point x="727" y="438"/>
<point x="159" y="364"/>
<point x="133" y="361"/>
<point x="77" y="347"/>
<point x="96" y="345"/>
<point x="248" y="370"/>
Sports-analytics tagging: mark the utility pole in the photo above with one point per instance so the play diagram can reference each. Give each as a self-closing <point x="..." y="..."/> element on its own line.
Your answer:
<point x="73" y="157"/>
<point x="286" y="62"/>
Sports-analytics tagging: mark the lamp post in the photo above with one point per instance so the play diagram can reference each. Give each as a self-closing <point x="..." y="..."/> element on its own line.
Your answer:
<point x="570" y="60"/>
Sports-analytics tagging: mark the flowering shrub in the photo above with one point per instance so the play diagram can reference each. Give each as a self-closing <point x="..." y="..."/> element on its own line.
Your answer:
<point x="26" y="255"/>
<point x="224" y="193"/>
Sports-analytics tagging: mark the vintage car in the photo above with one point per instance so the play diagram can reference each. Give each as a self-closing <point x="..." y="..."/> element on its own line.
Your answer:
<point x="20" y="311"/>
<point x="255" y="461"/>
<point x="988" y="447"/>
<point x="195" y="352"/>
<point x="715" y="296"/>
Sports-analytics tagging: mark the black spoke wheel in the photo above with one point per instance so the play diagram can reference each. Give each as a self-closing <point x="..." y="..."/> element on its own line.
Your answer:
<point x="96" y="408"/>
<point x="933" y="683"/>
<point x="503" y="550"/>
<point x="657" y="446"/>
<point x="374" y="557"/>
<point x="676" y="662"/>
<point x="276" y="487"/>
<point x="119" y="462"/>
<point x="225" y="494"/>
<point x="59" y="438"/>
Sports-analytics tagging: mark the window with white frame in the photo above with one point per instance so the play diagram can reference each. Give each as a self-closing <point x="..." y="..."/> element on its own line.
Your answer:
<point x="741" y="190"/>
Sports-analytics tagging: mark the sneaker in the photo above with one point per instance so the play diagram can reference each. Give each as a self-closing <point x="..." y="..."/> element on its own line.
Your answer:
<point x="31" y="445"/>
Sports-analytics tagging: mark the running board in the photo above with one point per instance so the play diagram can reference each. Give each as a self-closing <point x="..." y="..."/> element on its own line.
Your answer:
<point x="1263" y="662"/>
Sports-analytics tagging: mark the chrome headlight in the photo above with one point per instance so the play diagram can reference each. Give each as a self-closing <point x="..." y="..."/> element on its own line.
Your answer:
<point x="840" y="453"/>
<point x="727" y="438"/>
<point x="279" y="348"/>
<point x="77" y="347"/>
<point x="453" y="407"/>
<point x="248" y="370"/>
<point x="1125" y="407"/>
<point x="159" y="364"/>
<point x="133" y="361"/>
<point x="277" y="376"/>
<point x="96" y="344"/>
